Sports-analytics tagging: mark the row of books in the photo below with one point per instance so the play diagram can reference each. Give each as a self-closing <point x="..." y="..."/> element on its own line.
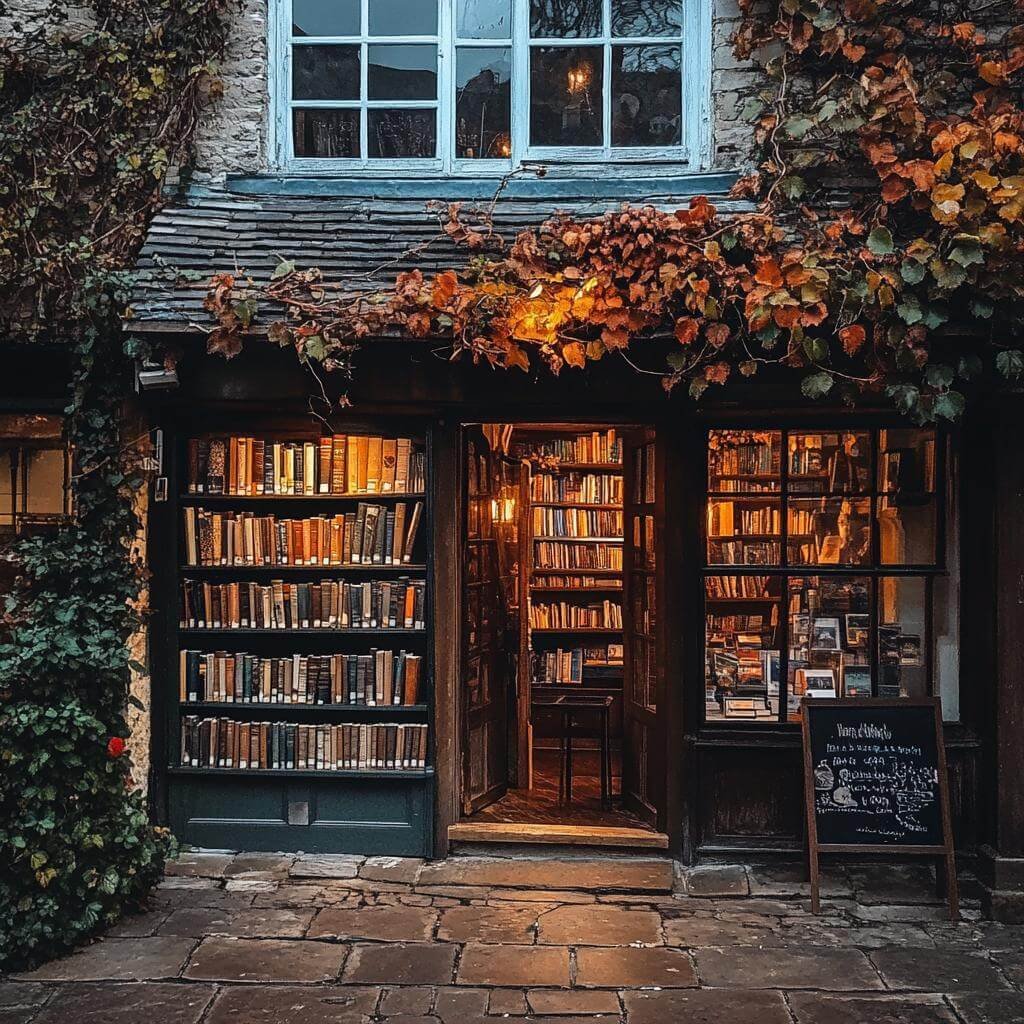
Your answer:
<point x="565" y="665"/>
<point x="575" y="582"/>
<point x="740" y="552"/>
<point x="338" y="464"/>
<point x="596" y="446"/>
<point x="380" y="678"/>
<point x="576" y="522"/>
<point x="753" y="457"/>
<point x="584" y="488"/>
<point x="329" y="604"/>
<point x="373" y="534"/>
<point x="742" y="623"/>
<point x="225" y="743"/>
<point x="756" y="587"/>
<point x="559" y="555"/>
<point x="724" y="522"/>
<point x="567" y="615"/>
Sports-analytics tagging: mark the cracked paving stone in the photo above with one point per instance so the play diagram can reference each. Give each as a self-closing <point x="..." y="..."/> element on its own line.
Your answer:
<point x="815" y="1008"/>
<point x="936" y="970"/>
<point x="706" y="1006"/>
<point x="503" y="923"/>
<point x="990" y="1007"/>
<point x="707" y="931"/>
<point x="156" y="958"/>
<point x="23" y="993"/>
<point x="517" y="966"/>
<point x="633" y="967"/>
<point x="293" y="1005"/>
<point x="839" y="970"/>
<point x="327" y="865"/>
<point x="127" y="1004"/>
<point x="197" y="922"/>
<point x="456" y="1005"/>
<point x="507" y="1003"/>
<point x="574" y="1002"/>
<point x="379" y="923"/>
<point x="265" y="960"/>
<point x="402" y="963"/>
<point x="137" y="926"/>
<point x="261" y="866"/>
<point x="270" y="924"/>
<point x="600" y="925"/>
<point x="412" y="1002"/>
<point x="715" y="880"/>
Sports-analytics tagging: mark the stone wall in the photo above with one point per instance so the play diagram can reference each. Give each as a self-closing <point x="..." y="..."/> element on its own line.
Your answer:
<point x="232" y="137"/>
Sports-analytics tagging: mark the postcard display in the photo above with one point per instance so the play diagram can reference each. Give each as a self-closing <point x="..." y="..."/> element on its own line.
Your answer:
<point x="302" y="661"/>
<point x="821" y="548"/>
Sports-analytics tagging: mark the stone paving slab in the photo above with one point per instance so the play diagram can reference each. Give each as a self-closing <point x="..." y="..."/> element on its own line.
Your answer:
<point x="265" y="960"/>
<point x="632" y="967"/>
<point x="707" y="1006"/>
<point x="934" y="970"/>
<point x="402" y="963"/>
<point x="379" y="923"/>
<point x="106" y="1003"/>
<point x="505" y="922"/>
<point x="839" y="970"/>
<point x="817" y="1008"/>
<point x="989" y="1007"/>
<point x="602" y="925"/>
<point x="293" y="1005"/>
<point x="514" y="965"/>
<point x="586" y="875"/>
<point x="152" y="959"/>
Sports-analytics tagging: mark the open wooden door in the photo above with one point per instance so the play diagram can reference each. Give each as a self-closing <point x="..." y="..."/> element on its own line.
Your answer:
<point x="486" y="668"/>
<point x="643" y="770"/>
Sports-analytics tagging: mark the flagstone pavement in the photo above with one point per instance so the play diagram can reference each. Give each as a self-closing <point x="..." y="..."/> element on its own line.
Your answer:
<point x="272" y="939"/>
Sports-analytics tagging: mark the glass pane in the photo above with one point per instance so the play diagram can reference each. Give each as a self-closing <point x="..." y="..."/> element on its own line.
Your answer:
<point x="6" y="495"/>
<point x="326" y="133"/>
<point x="325" y="17"/>
<point x="565" y="19"/>
<point x="646" y="96"/>
<point x="402" y="72"/>
<point x="744" y="532"/>
<point x="484" y="19"/>
<point x="829" y="531"/>
<point x="402" y="133"/>
<point x="637" y="18"/>
<point x="906" y="529"/>
<point x="902" y="654"/>
<point x="744" y="460"/>
<point x="830" y="463"/>
<point x="906" y="461"/>
<point x="829" y="638"/>
<point x="325" y="72"/>
<point x="483" y="100"/>
<point x="45" y="494"/>
<point x="403" y="18"/>
<point x="566" y="88"/>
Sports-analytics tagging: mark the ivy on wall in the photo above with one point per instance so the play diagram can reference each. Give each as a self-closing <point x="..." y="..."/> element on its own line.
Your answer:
<point x="98" y="101"/>
<point x="885" y="252"/>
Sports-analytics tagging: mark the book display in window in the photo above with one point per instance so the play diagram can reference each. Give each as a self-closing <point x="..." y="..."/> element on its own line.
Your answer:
<point x="844" y="504"/>
<point x="312" y="552"/>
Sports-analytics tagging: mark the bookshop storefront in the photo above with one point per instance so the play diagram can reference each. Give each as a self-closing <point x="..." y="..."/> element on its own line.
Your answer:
<point x="480" y="607"/>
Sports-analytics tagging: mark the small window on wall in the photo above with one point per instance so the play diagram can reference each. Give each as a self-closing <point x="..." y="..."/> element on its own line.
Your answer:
<point x="480" y="85"/>
<point x="34" y="473"/>
<point x="823" y="556"/>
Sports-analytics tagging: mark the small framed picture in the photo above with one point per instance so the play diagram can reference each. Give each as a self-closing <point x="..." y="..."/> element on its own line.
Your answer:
<point x="910" y="649"/>
<point x="825" y="635"/>
<point x="857" y="625"/>
<point x="821" y="682"/>
<point x="856" y="681"/>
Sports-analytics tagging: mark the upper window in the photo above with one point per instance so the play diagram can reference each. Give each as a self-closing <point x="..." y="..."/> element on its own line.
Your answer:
<point x="479" y="85"/>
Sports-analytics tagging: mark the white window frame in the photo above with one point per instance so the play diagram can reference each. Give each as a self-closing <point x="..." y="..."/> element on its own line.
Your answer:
<point x="691" y="156"/>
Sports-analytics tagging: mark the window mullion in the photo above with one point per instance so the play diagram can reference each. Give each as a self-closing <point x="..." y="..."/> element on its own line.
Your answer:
<point x="606" y="87"/>
<point x="520" y="113"/>
<point x="446" y="53"/>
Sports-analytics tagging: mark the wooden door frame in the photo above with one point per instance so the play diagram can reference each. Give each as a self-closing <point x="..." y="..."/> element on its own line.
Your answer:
<point x="680" y="511"/>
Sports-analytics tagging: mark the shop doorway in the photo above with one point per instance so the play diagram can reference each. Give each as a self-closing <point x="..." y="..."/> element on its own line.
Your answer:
<point x="560" y="674"/>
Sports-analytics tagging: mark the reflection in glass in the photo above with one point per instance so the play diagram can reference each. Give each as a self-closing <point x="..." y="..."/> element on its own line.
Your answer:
<point x="902" y="652"/>
<point x="744" y="531"/>
<point x="325" y="17"/>
<point x="829" y="531"/>
<point x="566" y="84"/>
<point x="830" y="463"/>
<point x="640" y="18"/>
<point x="906" y="461"/>
<point x="325" y="73"/>
<point x="402" y="72"/>
<point x="646" y="96"/>
<point x="906" y="529"/>
<point x="742" y="656"/>
<point x="484" y="19"/>
<point x="744" y="461"/>
<point x="6" y="490"/>
<point x="395" y="134"/>
<point x="44" y="488"/>
<point x="483" y="102"/>
<point x="325" y="133"/>
<point x="403" y="17"/>
<point x="565" y="19"/>
<point x="829" y="638"/>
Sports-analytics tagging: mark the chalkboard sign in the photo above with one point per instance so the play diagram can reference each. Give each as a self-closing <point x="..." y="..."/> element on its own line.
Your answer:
<point x="875" y="781"/>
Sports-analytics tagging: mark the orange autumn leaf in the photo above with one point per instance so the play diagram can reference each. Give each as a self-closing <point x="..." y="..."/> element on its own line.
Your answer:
<point x="853" y="338"/>
<point x="993" y="72"/>
<point x="717" y="373"/>
<point x="718" y="334"/>
<point x="445" y="285"/>
<point x="894" y="188"/>
<point x="574" y="354"/>
<point x="686" y="330"/>
<point x="768" y="272"/>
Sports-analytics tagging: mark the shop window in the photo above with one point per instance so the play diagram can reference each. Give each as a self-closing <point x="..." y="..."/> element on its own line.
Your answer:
<point x="824" y="554"/>
<point x="483" y="84"/>
<point x="34" y="473"/>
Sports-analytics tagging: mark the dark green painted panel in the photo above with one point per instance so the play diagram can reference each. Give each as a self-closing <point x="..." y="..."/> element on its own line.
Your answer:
<point x="369" y="816"/>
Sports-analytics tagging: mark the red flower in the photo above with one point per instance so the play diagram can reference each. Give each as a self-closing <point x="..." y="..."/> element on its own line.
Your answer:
<point x="115" y="746"/>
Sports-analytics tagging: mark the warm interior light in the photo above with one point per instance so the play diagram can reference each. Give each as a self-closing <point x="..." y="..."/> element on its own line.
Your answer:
<point x="579" y="78"/>
<point x="503" y="509"/>
<point x="504" y="145"/>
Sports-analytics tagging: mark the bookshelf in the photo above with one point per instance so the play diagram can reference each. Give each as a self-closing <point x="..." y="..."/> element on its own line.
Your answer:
<point x="299" y="626"/>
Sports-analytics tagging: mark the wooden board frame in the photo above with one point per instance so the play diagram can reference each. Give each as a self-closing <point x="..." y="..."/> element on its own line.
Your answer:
<point x="944" y="854"/>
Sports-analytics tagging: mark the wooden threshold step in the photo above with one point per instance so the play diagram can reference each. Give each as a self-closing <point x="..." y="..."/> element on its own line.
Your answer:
<point x="563" y="835"/>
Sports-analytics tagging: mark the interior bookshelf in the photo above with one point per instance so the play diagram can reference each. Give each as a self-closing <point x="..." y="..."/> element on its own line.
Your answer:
<point x="571" y="568"/>
<point x="301" y="630"/>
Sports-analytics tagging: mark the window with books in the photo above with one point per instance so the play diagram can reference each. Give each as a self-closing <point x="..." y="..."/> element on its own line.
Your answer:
<point x="432" y="84"/>
<point x="824" y="553"/>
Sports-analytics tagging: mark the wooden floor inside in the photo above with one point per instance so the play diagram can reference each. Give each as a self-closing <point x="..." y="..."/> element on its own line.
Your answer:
<point x="540" y="806"/>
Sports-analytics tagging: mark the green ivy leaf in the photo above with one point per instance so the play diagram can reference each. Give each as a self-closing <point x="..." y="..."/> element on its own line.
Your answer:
<point x="880" y="241"/>
<point x="938" y="375"/>
<point x="817" y="385"/>
<point x="1010" y="363"/>
<point x="283" y="269"/>
<point x="912" y="272"/>
<point x="949" y="405"/>
<point x="969" y="367"/>
<point x="906" y="396"/>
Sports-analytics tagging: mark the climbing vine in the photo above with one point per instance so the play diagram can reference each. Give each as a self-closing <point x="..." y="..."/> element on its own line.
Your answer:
<point x="883" y="250"/>
<point x="99" y="101"/>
